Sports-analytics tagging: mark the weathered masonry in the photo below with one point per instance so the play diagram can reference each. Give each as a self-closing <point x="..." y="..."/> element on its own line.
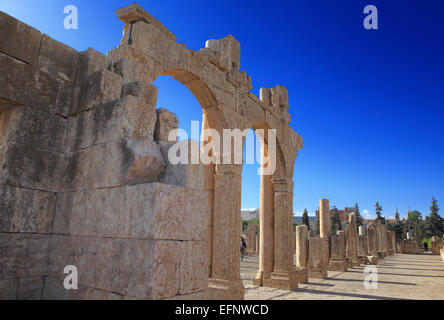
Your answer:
<point x="85" y="181"/>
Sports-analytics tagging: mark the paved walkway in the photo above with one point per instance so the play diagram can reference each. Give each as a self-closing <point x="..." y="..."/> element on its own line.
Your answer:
<point x="400" y="276"/>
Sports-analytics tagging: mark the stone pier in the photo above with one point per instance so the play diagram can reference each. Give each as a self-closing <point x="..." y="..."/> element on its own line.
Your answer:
<point x="363" y="246"/>
<point x="302" y="238"/>
<point x="325" y="230"/>
<point x="352" y="240"/>
<point x="338" y="261"/>
<point x="372" y="243"/>
<point x="317" y="268"/>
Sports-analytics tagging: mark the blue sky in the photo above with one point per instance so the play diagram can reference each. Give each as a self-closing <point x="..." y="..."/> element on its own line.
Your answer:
<point x="368" y="103"/>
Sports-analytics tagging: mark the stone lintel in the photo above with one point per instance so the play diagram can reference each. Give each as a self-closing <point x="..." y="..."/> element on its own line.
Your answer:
<point x="135" y="13"/>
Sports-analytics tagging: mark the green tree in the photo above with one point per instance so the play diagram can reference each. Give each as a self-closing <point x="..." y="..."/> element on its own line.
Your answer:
<point x="335" y="221"/>
<point x="435" y="220"/>
<point x="417" y="224"/>
<point x="318" y="224"/>
<point x="305" y="219"/>
<point x="397" y="228"/>
<point x="405" y="229"/>
<point x="378" y="210"/>
<point x="359" y="218"/>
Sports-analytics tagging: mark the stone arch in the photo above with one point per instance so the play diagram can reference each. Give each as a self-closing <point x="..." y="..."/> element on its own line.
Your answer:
<point x="213" y="75"/>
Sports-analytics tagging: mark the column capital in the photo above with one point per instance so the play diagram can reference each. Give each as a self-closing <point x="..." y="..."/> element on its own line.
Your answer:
<point x="283" y="185"/>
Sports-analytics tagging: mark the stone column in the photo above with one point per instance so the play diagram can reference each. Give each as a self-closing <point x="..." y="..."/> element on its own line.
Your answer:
<point x="363" y="246"/>
<point x="316" y="259"/>
<point x="283" y="276"/>
<point x="209" y="186"/>
<point x="251" y="246"/>
<point x="372" y="243"/>
<point x="363" y="230"/>
<point x="225" y="281"/>
<point x="324" y="218"/>
<point x="266" y="225"/>
<point x="352" y="239"/>
<point x="338" y="261"/>
<point x="301" y="243"/>
<point x="256" y="253"/>
<point x="301" y="246"/>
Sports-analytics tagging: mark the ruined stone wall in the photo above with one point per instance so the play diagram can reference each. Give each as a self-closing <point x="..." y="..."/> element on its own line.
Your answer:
<point x="80" y="174"/>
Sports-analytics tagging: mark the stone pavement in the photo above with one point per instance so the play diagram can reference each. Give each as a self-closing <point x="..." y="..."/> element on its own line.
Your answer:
<point x="400" y="276"/>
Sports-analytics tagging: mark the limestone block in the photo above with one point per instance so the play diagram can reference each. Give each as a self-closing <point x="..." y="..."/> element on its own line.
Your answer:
<point x="58" y="59"/>
<point x="227" y="47"/>
<point x="30" y="167"/>
<point x="148" y="211"/>
<point x="133" y="65"/>
<point x="338" y="261"/>
<point x="20" y="84"/>
<point x="8" y="289"/>
<point x="29" y="126"/>
<point x="90" y="61"/>
<point x="194" y="176"/>
<point x="316" y="259"/>
<point x="19" y="40"/>
<point x="302" y="274"/>
<point x="240" y="80"/>
<point x="279" y="97"/>
<point x="113" y="164"/>
<point x="30" y="288"/>
<point x="122" y="266"/>
<point x="254" y="111"/>
<point x="135" y="13"/>
<point x="54" y="290"/>
<point x="142" y="269"/>
<point x="222" y="62"/>
<point x="166" y="122"/>
<point x="24" y="210"/>
<point x="193" y="261"/>
<point x="129" y="117"/>
<point x="122" y="162"/>
<point x="99" y="88"/>
<point x="143" y="90"/>
<point x="23" y="255"/>
<point x="153" y="42"/>
<point x="214" y="78"/>
<point x="65" y="98"/>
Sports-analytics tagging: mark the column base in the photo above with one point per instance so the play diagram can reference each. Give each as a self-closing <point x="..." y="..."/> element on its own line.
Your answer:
<point x="281" y="280"/>
<point x="382" y="254"/>
<point x="356" y="263"/>
<point x="219" y="289"/>
<point x="302" y="274"/>
<point x="318" y="272"/>
<point x="338" y="265"/>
